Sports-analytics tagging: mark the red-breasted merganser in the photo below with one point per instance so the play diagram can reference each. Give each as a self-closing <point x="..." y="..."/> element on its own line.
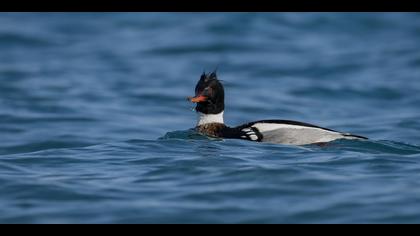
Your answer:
<point x="209" y="96"/>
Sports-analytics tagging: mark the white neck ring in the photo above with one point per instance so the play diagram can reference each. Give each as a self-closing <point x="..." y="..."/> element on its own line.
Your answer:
<point x="209" y="118"/>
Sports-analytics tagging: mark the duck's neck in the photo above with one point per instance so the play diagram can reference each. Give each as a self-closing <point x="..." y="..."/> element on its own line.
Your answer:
<point x="209" y="118"/>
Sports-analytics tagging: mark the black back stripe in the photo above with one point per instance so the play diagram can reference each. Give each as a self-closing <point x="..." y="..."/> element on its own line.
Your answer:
<point x="286" y="122"/>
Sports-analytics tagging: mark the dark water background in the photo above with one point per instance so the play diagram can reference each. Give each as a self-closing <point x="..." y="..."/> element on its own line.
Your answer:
<point x="94" y="122"/>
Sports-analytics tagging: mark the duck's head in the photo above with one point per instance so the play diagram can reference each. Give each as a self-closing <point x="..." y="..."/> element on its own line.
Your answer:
<point x="209" y="95"/>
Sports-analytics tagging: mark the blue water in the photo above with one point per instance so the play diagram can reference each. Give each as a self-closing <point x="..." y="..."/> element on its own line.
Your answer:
<point x="95" y="127"/>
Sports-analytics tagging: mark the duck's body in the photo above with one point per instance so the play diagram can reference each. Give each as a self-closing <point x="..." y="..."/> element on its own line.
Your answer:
<point x="275" y="131"/>
<point x="210" y="107"/>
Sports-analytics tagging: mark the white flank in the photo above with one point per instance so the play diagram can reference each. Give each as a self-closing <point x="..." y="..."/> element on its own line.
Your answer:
<point x="295" y="134"/>
<point x="209" y="118"/>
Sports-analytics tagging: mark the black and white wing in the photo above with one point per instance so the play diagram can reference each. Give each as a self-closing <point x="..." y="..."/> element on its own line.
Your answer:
<point x="290" y="132"/>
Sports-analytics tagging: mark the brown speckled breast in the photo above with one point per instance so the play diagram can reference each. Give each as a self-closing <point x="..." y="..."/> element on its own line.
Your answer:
<point x="212" y="129"/>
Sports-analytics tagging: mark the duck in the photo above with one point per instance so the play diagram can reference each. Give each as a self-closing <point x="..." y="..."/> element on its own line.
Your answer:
<point x="210" y="104"/>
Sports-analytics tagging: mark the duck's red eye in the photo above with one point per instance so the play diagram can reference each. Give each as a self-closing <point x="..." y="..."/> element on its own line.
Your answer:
<point x="208" y="91"/>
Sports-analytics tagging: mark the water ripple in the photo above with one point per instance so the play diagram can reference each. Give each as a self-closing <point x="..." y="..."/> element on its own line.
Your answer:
<point x="94" y="126"/>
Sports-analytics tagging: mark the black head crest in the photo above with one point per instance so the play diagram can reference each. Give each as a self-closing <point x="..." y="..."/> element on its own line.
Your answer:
<point x="204" y="75"/>
<point x="213" y="75"/>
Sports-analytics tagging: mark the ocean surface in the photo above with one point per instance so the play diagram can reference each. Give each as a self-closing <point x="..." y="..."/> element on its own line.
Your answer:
<point x="95" y="126"/>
